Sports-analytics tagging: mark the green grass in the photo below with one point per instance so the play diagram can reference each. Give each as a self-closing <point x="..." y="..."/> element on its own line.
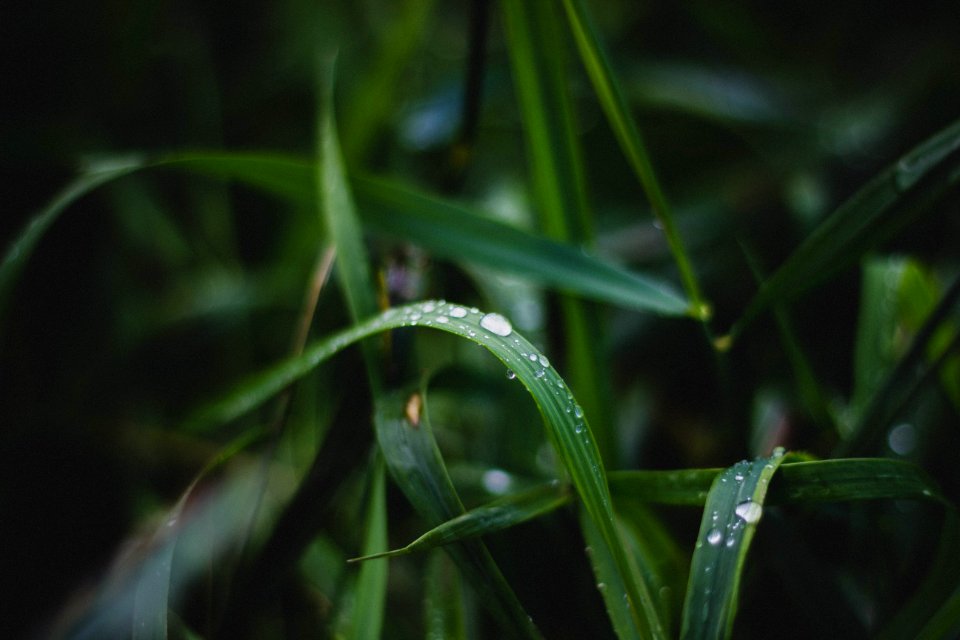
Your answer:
<point x="663" y="344"/>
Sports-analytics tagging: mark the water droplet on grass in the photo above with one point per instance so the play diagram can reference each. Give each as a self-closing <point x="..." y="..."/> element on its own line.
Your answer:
<point x="496" y="324"/>
<point x="511" y="375"/>
<point x="458" y="312"/>
<point x="749" y="511"/>
<point x="442" y="320"/>
<point x="714" y="536"/>
<point x="543" y="361"/>
<point x="577" y="411"/>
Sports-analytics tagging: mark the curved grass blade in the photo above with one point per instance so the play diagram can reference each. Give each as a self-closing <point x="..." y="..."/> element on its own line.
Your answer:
<point x="628" y="136"/>
<point x="416" y="465"/>
<point x="734" y="507"/>
<point x="882" y="207"/>
<point x="494" y="516"/>
<point x="25" y="243"/>
<point x="566" y="425"/>
<point x="610" y="581"/>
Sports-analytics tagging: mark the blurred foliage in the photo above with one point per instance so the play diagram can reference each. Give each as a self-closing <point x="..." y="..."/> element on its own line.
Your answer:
<point x="163" y="290"/>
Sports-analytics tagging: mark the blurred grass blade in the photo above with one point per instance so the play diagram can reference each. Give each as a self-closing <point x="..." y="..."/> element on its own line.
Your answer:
<point x="730" y="517"/>
<point x="450" y="231"/>
<point x="25" y="243"/>
<point x="416" y="465"/>
<point x="455" y="232"/>
<point x="661" y="562"/>
<point x="882" y="207"/>
<point x="368" y="611"/>
<point x="536" y="46"/>
<point x="338" y="212"/>
<point x="494" y="516"/>
<point x="628" y="136"/>
<point x="443" y="602"/>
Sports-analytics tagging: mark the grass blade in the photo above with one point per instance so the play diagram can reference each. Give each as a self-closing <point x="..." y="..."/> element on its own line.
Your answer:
<point x="494" y="516"/>
<point x="416" y="465"/>
<point x="371" y="588"/>
<point x="455" y="232"/>
<point x="450" y="231"/>
<point x="733" y="508"/>
<point x="628" y="136"/>
<point x="882" y="207"/>
<point x="443" y="604"/>
<point x="23" y="246"/>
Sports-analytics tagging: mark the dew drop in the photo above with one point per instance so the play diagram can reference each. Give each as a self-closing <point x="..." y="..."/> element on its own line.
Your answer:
<point x="543" y="361"/>
<point x="778" y="452"/>
<point x="539" y="373"/>
<point x="579" y="427"/>
<point x="511" y="375"/>
<point x="496" y="324"/>
<point x="533" y="357"/>
<point x="730" y="541"/>
<point x="714" y="536"/>
<point x="458" y="312"/>
<point x="577" y="411"/>
<point x="442" y="320"/>
<point x="497" y="481"/>
<point x="749" y="511"/>
<point x="738" y="477"/>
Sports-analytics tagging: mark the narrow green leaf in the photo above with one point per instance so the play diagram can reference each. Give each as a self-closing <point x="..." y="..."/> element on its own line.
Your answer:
<point x="494" y="516"/>
<point x="367" y="616"/>
<point x="416" y="465"/>
<point x="730" y="517"/>
<point x="882" y="207"/>
<point x="443" y="605"/>
<point x="457" y="233"/>
<point x="610" y="581"/>
<point x="628" y="136"/>
<point x="338" y="212"/>
<point x="450" y="231"/>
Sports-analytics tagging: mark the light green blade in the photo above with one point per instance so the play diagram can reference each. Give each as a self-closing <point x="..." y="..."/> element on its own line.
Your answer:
<point x="733" y="509"/>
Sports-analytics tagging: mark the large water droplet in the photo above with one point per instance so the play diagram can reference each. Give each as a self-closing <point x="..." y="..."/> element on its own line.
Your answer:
<point x="511" y="375"/>
<point x="730" y="542"/>
<point x="458" y="312"/>
<point x="749" y="511"/>
<point x="714" y="537"/>
<point x="497" y="481"/>
<point x="496" y="324"/>
<point x="577" y="411"/>
<point x="543" y="361"/>
<point x="442" y="320"/>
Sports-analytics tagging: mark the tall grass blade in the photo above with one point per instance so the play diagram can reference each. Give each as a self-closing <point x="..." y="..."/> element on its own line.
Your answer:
<point x="617" y="110"/>
<point x="494" y="516"/>
<point x="886" y="204"/>
<point x="371" y="589"/>
<point x="416" y="465"/>
<point x="536" y="47"/>
<point x="443" y="603"/>
<point x="730" y="517"/>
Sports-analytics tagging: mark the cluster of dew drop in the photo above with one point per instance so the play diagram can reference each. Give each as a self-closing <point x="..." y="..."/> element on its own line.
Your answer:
<point x="449" y="316"/>
<point x="748" y="512"/>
